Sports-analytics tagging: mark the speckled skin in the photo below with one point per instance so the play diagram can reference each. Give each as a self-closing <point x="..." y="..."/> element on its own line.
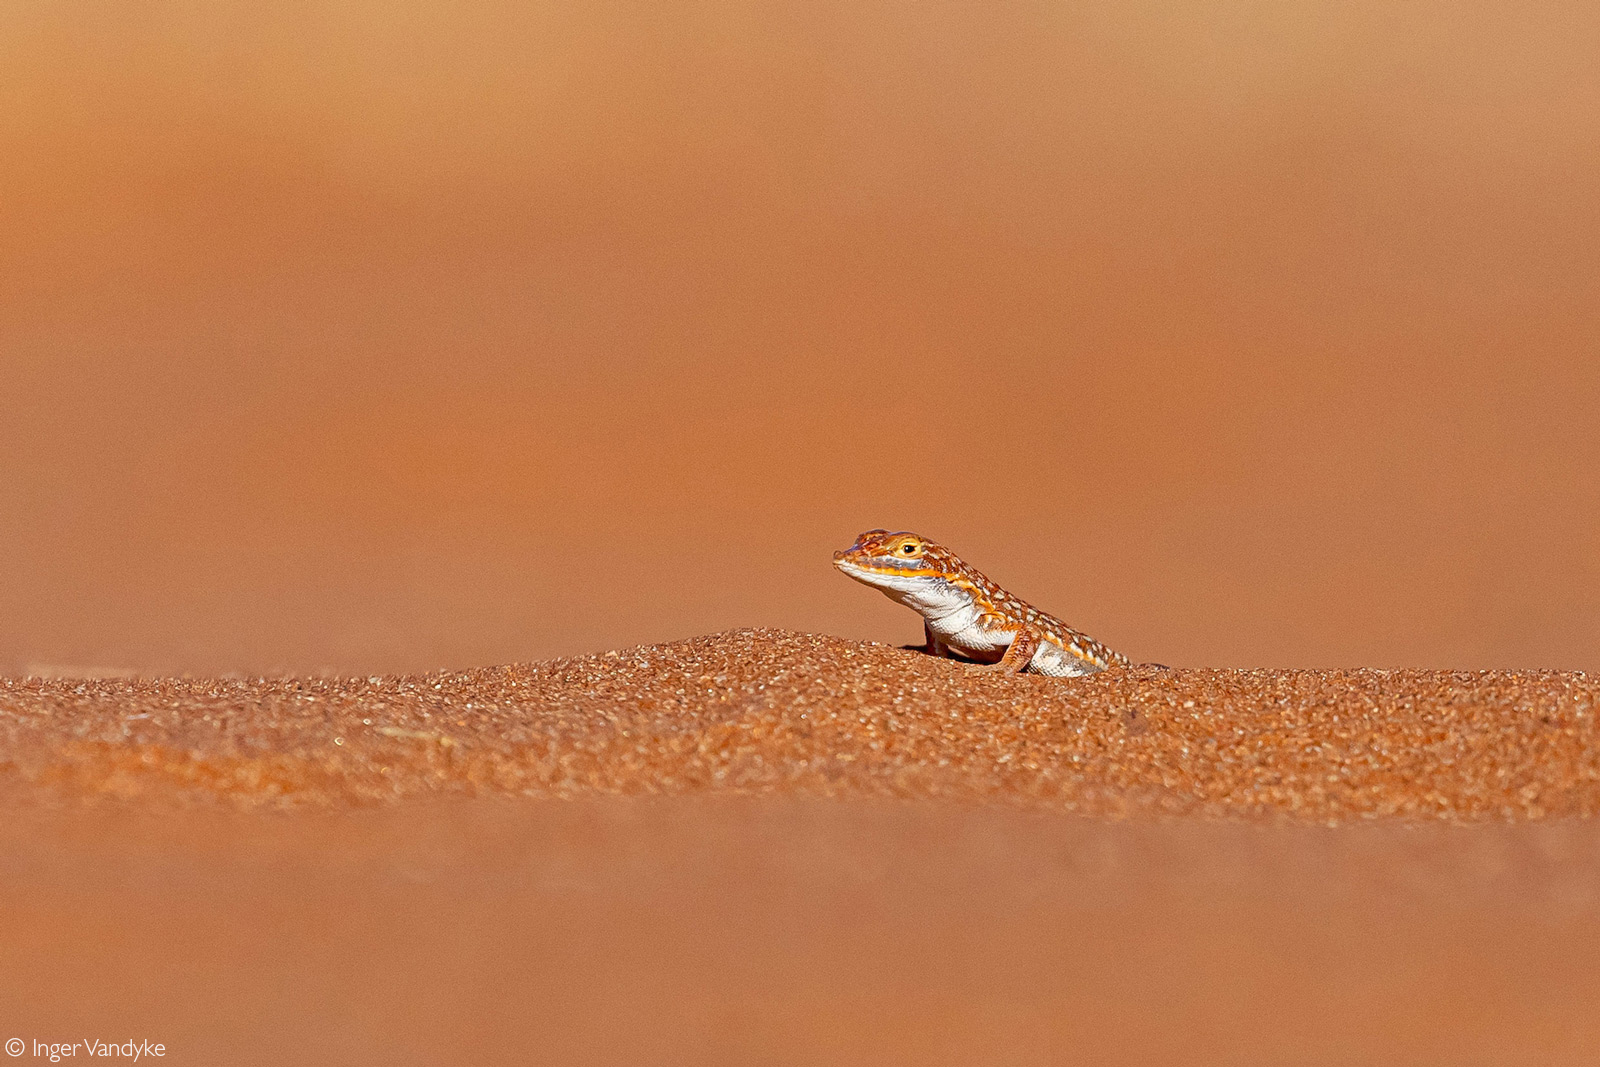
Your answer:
<point x="964" y="610"/>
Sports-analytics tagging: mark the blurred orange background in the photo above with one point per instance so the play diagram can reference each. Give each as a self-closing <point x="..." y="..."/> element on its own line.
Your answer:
<point x="371" y="337"/>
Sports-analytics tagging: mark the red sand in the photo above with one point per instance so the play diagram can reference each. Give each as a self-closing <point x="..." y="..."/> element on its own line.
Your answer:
<point x="358" y="339"/>
<point x="436" y="335"/>
<point x="768" y="930"/>
<point x="245" y="871"/>
<point x="773" y="711"/>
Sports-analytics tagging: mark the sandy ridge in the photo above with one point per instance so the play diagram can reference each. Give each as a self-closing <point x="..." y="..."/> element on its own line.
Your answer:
<point x="771" y="711"/>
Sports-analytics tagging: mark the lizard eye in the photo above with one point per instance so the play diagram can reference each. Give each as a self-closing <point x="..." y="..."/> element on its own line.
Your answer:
<point x="908" y="549"/>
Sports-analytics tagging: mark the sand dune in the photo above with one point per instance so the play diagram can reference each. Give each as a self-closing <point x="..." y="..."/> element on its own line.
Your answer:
<point x="767" y="846"/>
<point x="770" y="711"/>
<point x="344" y="340"/>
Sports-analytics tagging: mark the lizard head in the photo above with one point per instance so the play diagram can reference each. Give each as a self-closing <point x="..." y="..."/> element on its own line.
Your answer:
<point x="894" y="562"/>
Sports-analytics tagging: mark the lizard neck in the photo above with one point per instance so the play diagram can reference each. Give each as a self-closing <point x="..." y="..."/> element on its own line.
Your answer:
<point x="950" y="605"/>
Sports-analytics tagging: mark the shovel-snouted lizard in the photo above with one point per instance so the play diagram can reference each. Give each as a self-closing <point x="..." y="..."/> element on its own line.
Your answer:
<point x="964" y="610"/>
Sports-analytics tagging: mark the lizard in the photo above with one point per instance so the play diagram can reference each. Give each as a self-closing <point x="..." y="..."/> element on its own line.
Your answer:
<point x="966" y="611"/>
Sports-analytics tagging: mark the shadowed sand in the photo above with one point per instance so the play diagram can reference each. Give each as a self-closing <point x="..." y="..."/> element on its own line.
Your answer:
<point x="210" y="863"/>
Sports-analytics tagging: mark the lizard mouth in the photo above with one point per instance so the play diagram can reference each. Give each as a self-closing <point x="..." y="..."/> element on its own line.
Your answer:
<point x="845" y="562"/>
<point x="859" y="566"/>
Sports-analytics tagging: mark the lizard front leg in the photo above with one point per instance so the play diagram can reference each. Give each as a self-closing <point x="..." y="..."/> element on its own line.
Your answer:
<point x="1020" y="654"/>
<point x="935" y="647"/>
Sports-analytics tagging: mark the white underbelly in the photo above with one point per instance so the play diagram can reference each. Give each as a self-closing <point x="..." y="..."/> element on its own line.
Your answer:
<point x="950" y="616"/>
<point x="1058" y="662"/>
<point x="956" y="621"/>
<point x="982" y="643"/>
<point x="974" y="640"/>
